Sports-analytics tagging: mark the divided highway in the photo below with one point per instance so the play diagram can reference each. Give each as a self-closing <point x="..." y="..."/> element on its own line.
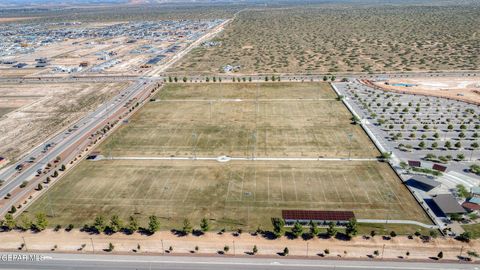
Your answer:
<point x="47" y="152"/>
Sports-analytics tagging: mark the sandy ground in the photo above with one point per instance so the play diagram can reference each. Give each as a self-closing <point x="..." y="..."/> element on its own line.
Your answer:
<point x="45" y="109"/>
<point x="212" y="243"/>
<point x="14" y="19"/>
<point x="464" y="89"/>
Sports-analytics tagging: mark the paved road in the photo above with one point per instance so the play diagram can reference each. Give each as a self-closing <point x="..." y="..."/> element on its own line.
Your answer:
<point x="82" y="261"/>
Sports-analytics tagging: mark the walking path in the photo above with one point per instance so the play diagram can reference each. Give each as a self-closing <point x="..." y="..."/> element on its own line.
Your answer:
<point x="396" y="221"/>
<point x="227" y="159"/>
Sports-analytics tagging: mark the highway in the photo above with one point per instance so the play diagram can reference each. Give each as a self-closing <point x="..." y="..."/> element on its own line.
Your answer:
<point x="60" y="143"/>
<point x="84" y="261"/>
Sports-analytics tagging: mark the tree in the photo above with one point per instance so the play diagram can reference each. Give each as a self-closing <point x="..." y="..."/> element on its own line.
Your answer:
<point x="184" y="79"/>
<point x="474" y="145"/>
<point x="41" y="222"/>
<point x="266" y="78"/>
<point x="297" y="229"/>
<point x="278" y="224"/>
<point x="314" y="230"/>
<point x="175" y="79"/>
<point x="355" y="120"/>
<point x="440" y="255"/>
<point x="434" y="145"/>
<point x="325" y="78"/>
<point x="116" y="223"/>
<point x="204" y="225"/>
<point x="62" y="168"/>
<point x="331" y="230"/>
<point x="351" y="227"/>
<point x="13" y="209"/>
<point x="39" y="187"/>
<point x="421" y="144"/>
<point x="386" y="155"/>
<point x="333" y="78"/>
<point x="255" y="250"/>
<point x="448" y="144"/>
<point x="475" y="169"/>
<point x="187" y="227"/>
<point x="110" y="247"/>
<point x="226" y="248"/>
<point x="132" y="224"/>
<point x="207" y="79"/>
<point x="25" y="223"/>
<point x="465" y="236"/>
<point x="153" y="224"/>
<point x="460" y="157"/>
<point x="285" y="251"/>
<point x="373" y="233"/>
<point x="99" y="224"/>
<point x="393" y="234"/>
<point x="9" y="221"/>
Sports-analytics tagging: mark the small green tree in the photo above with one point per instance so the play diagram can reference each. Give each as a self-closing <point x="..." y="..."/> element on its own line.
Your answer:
<point x="9" y="222"/>
<point x="255" y="250"/>
<point x="351" y="228"/>
<point x="297" y="229"/>
<point x="226" y="248"/>
<point x="110" y="247"/>
<point x="331" y="230"/>
<point x="204" y="225"/>
<point x="115" y="223"/>
<point x="314" y="230"/>
<point x="285" y="251"/>
<point x="187" y="227"/>
<point x="440" y="255"/>
<point x="278" y="224"/>
<point x="153" y="224"/>
<point x="13" y="209"/>
<point x="132" y="224"/>
<point x="99" y="224"/>
<point x="41" y="222"/>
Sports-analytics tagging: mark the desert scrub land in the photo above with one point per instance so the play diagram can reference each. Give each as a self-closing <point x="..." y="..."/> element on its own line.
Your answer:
<point x="315" y="40"/>
<point x="209" y="120"/>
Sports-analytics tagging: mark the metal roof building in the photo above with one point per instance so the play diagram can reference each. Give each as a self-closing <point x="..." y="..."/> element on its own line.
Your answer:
<point x="305" y="216"/>
<point x="448" y="204"/>
<point x="423" y="182"/>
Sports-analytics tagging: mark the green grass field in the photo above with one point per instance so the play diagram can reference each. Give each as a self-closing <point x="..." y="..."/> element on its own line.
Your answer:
<point x="237" y="193"/>
<point x="289" y="119"/>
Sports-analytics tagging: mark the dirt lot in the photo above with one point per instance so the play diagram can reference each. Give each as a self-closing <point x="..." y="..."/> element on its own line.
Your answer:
<point x="43" y="109"/>
<point x="237" y="193"/>
<point x="464" y="89"/>
<point x="224" y="119"/>
<point x="212" y="243"/>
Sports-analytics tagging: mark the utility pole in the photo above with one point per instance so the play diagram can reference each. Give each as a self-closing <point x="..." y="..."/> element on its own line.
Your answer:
<point x="383" y="250"/>
<point x="163" y="249"/>
<point x="307" y="249"/>
<point x="93" y="247"/>
<point x="24" y="244"/>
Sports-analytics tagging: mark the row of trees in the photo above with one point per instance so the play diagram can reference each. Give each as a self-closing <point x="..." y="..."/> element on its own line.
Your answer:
<point x="298" y="229"/>
<point x="272" y="78"/>
<point x="39" y="224"/>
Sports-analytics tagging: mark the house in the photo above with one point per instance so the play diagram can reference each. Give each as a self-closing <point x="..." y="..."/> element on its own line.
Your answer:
<point x="319" y="217"/>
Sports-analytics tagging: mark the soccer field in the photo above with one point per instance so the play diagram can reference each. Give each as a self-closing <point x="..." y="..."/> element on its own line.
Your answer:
<point x="275" y="120"/>
<point x="234" y="194"/>
<point x="243" y="120"/>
